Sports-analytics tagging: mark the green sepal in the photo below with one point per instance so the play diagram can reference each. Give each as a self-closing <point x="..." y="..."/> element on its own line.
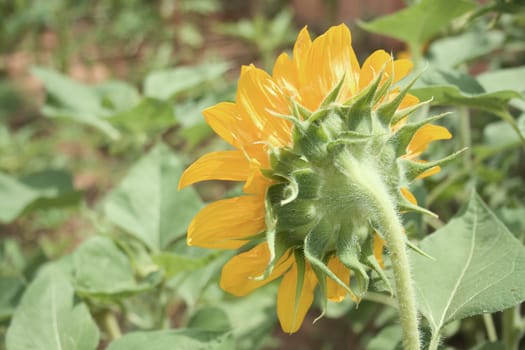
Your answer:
<point x="413" y="169"/>
<point x="321" y="278"/>
<point x="418" y="250"/>
<point x="316" y="245"/>
<point x="299" y="111"/>
<point x="382" y="91"/>
<point x="402" y="137"/>
<point x="283" y="162"/>
<point x="404" y="204"/>
<point x="357" y="111"/>
<point x="364" y="100"/>
<point x="371" y="261"/>
<point x="403" y="113"/>
<point x="309" y="183"/>
<point x="291" y="215"/>
<point x="301" y="271"/>
<point x="387" y="111"/>
<point x="310" y="142"/>
<point x="332" y="96"/>
<point x="349" y="251"/>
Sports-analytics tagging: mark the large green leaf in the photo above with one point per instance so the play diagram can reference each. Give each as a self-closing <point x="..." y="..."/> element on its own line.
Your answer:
<point x="38" y="190"/>
<point x="118" y="278"/>
<point x="180" y="339"/>
<point x="149" y="115"/>
<point x="479" y="268"/>
<point x="168" y="83"/>
<point x="147" y="203"/>
<point x="49" y="318"/>
<point x="173" y="263"/>
<point x="419" y="22"/>
<point x="446" y="87"/>
<point x="67" y="98"/>
<point x="504" y="79"/>
<point x="451" y="51"/>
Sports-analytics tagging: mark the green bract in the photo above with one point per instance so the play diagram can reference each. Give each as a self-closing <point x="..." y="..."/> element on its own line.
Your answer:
<point x="345" y="159"/>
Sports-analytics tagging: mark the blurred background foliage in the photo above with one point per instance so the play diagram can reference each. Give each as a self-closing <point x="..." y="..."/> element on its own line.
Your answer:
<point x="100" y="106"/>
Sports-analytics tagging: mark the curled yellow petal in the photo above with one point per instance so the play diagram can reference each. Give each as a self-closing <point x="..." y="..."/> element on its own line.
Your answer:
<point x="223" y="165"/>
<point x="334" y="291"/>
<point x="424" y="136"/>
<point x="379" y="60"/>
<point x="429" y="172"/>
<point x="408" y="195"/>
<point x="240" y="275"/>
<point x="379" y="244"/>
<point x="226" y="223"/>
<point x="291" y="312"/>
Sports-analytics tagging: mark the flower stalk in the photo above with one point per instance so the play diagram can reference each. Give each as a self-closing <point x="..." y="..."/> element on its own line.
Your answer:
<point x="395" y="240"/>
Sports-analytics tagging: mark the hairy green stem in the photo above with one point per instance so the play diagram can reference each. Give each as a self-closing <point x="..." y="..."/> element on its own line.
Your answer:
<point x="395" y="237"/>
<point x="434" y="341"/>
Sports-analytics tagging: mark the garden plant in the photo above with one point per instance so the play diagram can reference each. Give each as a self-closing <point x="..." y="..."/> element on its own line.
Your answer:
<point x="316" y="191"/>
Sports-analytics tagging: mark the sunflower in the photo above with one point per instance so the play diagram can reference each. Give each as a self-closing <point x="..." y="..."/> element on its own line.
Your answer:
<point x="309" y="141"/>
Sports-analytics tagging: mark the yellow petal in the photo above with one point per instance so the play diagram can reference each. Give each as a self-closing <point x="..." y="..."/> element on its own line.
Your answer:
<point x="301" y="47"/>
<point x="378" y="249"/>
<point x="379" y="60"/>
<point x="285" y="75"/>
<point x="224" y="118"/>
<point x="335" y="292"/>
<point x="329" y="58"/>
<point x="429" y="172"/>
<point x="226" y="223"/>
<point x="408" y="101"/>
<point x="424" y="136"/>
<point x="291" y="312"/>
<point x="260" y="99"/>
<point x="239" y="275"/>
<point x="223" y="165"/>
<point x="401" y="69"/>
<point x="408" y="195"/>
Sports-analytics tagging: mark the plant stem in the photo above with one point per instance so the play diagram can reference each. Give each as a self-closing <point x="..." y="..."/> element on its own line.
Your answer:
<point x="434" y="341"/>
<point x="491" y="330"/>
<point x="395" y="240"/>
<point x="466" y="137"/>
<point x="111" y="326"/>
<point x="510" y="330"/>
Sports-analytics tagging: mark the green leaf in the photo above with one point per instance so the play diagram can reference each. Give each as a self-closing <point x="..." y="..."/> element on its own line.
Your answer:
<point x="500" y="134"/>
<point x="420" y="22"/>
<point x="180" y="339"/>
<point x="173" y="264"/>
<point x="168" y="83"/>
<point x="456" y="89"/>
<point x="147" y="203"/>
<point x="389" y="338"/>
<point x="451" y="51"/>
<point x="210" y="318"/>
<point x="69" y="99"/>
<point x="149" y="115"/>
<point x="118" y="278"/>
<point x="38" y="190"/>
<point x="49" y="318"/>
<point x="505" y="79"/>
<point x="490" y="346"/>
<point x="11" y="288"/>
<point x="479" y="268"/>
